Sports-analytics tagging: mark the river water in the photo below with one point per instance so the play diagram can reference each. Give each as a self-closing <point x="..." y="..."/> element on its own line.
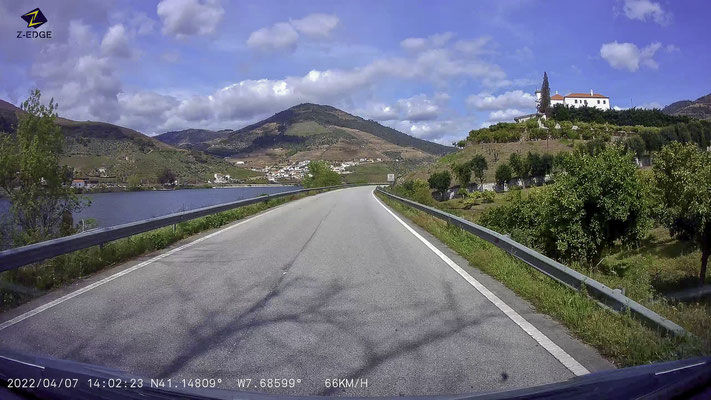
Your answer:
<point x="109" y="209"/>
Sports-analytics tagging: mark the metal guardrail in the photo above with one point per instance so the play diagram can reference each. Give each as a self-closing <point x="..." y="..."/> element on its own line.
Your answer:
<point x="613" y="299"/>
<point x="19" y="256"/>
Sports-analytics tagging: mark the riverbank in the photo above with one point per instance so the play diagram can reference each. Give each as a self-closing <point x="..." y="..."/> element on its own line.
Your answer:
<point x="124" y="189"/>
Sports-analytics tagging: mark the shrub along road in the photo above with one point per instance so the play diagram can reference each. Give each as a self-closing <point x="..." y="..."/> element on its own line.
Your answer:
<point x="329" y="286"/>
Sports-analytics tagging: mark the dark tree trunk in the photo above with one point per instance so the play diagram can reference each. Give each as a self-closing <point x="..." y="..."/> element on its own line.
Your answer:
<point x="705" y="252"/>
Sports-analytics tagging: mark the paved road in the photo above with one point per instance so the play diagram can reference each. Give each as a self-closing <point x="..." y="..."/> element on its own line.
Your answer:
<point x="330" y="286"/>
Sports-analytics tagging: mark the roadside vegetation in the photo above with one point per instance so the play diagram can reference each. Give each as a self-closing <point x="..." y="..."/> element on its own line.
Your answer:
<point x="37" y="186"/>
<point x="645" y="231"/>
<point x="619" y="337"/>
<point x="320" y="175"/>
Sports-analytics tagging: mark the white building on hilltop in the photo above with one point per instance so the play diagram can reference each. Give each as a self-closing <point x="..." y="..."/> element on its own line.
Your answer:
<point x="596" y="100"/>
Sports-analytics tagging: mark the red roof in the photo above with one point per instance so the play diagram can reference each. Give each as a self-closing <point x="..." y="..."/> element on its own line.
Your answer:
<point x="557" y="97"/>
<point x="587" y="95"/>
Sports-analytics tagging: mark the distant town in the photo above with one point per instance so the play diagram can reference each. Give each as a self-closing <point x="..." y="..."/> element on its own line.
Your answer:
<point x="297" y="171"/>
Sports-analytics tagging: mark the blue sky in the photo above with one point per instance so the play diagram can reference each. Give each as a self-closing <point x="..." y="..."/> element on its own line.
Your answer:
<point x="430" y="69"/>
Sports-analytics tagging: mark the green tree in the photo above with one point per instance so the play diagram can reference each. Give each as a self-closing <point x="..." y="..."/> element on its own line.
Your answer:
<point x="545" y="102"/>
<point x="520" y="166"/>
<point x="683" y="176"/>
<point x="462" y="172"/>
<point x="636" y="145"/>
<point x="37" y="186"/>
<point x="479" y="166"/>
<point x="320" y="174"/>
<point x="440" y="181"/>
<point x="503" y="174"/>
<point x="535" y="162"/>
<point x="600" y="199"/>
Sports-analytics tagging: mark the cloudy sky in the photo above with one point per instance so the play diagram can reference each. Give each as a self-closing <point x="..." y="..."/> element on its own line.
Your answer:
<point x="431" y="69"/>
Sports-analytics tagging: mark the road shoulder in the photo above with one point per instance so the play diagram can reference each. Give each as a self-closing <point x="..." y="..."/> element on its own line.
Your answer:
<point x="555" y="331"/>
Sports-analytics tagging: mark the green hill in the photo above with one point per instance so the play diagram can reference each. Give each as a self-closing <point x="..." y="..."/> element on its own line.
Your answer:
<point x="699" y="108"/>
<point x="115" y="153"/>
<point x="309" y="131"/>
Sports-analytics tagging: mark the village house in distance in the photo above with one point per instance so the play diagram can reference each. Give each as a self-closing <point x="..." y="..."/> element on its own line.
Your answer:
<point x="592" y="99"/>
<point x="596" y="100"/>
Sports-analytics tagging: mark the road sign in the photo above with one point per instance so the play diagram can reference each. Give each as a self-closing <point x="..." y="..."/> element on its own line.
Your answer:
<point x="391" y="177"/>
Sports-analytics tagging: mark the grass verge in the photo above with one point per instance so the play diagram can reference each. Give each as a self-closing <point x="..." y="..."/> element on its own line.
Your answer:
<point x="619" y="337"/>
<point x="22" y="284"/>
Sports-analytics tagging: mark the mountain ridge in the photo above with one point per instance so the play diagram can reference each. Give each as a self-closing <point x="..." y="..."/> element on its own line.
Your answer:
<point x="308" y="130"/>
<point x="104" y="150"/>
<point x="699" y="108"/>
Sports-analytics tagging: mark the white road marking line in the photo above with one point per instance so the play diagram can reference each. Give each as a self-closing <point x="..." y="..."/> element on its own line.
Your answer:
<point x="108" y="279"/>
<point x="566" y="359"/>
<point x="22" y="362"/>
<point x="680" y="368"/>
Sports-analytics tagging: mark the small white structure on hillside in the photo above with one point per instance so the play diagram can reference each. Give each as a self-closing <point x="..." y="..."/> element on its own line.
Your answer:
<point x="219" y="178"/>
<point x="593" y="99"/>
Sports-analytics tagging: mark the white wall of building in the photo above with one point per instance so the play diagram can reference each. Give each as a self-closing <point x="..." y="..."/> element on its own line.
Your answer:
<point x="601" y="103"/>
<point x="597" y="102"/>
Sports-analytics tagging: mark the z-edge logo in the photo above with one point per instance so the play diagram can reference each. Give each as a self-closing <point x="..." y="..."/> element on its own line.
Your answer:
<point x="34" y="18"/>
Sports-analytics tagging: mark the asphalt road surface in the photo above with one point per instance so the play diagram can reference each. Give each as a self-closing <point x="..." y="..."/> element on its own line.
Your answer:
<point x="328" y="287"/>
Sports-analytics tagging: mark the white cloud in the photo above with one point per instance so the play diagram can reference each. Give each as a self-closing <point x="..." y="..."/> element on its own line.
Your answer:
<point x="141" y="23"/>
<point x="443" y="131"/>
<point x="414" y="109"/>
<point x="629" y="56"/>
<point x="473" y="46"/>
<point x="511" y="99"/>
<point x="140" y="110"/>
<point x="643" y="10"/>
<point x="82" y="72"/>
<point x="438" y="40"/>
<point x="183" y="18"/>
<point x="80" y="75"/>
<point x="651" y="105"/>
<point x="115" y="42"/>
<point x="505" y="115"/>
<point x="281" y="35"/>
<point x="285" y="35"/>
<point x="316" y="24"/>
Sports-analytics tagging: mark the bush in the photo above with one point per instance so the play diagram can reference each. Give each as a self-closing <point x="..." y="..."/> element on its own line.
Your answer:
<point x="488" y="196"/>
<point x="599" y="199"/>
<point x="417" y="190"/>
<point x="320" y="175"/>
<point x="538" y="133"/>
<point x="572" y="134"/>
